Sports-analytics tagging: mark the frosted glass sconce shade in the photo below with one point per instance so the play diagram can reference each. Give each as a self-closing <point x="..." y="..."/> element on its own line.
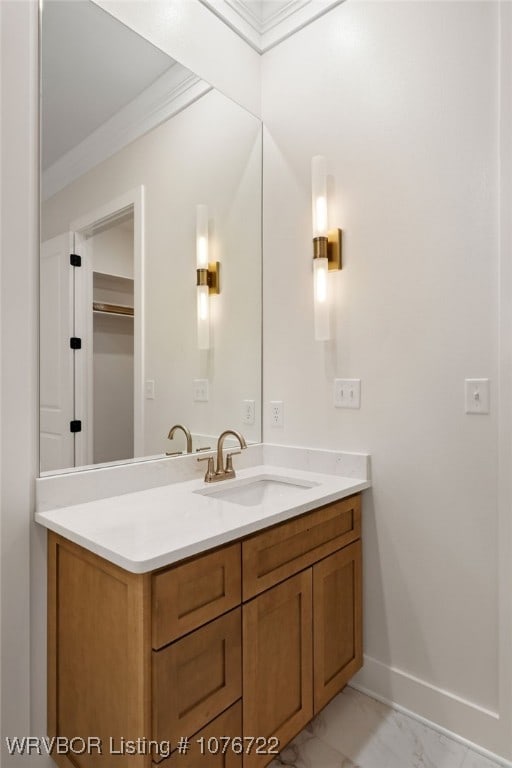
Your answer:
<point x="320" y="270"/>
<point x="203" y="317"/>
<point x="319" y="196"/>
<point x="202" y="236"/>
<point x="207" y="278"/>
<point x="326" y="247"/>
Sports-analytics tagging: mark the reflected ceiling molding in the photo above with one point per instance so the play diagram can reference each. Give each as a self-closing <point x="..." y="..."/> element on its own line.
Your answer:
<point x="265" y="23"/>
<point x="172" y="92"/>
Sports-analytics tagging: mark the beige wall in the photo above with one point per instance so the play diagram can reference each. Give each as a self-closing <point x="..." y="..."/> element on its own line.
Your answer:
<point x="403" y="99"/>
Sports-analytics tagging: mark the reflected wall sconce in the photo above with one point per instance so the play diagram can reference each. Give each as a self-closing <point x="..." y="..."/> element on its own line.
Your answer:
<point x="207" y="278"/>
<point x="326" y="248"/>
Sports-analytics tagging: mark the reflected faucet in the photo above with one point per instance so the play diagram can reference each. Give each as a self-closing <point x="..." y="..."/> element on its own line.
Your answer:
<point x="187" y="434"/>
<point x="221" y="472"/>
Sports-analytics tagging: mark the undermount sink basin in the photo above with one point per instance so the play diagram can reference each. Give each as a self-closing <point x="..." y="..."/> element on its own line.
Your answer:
<point x="259" y="490"/>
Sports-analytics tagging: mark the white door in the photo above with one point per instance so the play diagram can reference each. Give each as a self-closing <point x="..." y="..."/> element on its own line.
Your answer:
<point x="56" y="356"/>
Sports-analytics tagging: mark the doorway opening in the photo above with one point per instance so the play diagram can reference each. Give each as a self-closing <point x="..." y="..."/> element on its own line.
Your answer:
<point x="92" y="338"/>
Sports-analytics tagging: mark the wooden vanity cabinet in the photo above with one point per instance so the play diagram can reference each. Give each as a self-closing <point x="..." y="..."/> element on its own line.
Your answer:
<point x="287" y="548"/>
<point x="278" y="662"/>
<point x="99" y="654"/>
<point x="302" y="637"/>
<point x="251" y="639"/>
<point x="132" y="656"/>
<point x="197" y="677"/>
<point x="206" y="749"/>
<point x="337" y="622"/>
<point x="187" y="596"/>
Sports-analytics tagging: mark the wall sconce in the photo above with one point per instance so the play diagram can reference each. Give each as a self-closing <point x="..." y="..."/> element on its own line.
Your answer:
<point x="207" y="278"/>
<point x="326" y="248"/>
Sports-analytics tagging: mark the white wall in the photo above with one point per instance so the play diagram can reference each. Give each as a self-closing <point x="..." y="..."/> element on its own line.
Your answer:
<point x="22" y="656"/>
<point x="504" y="430"/>
<point x="209" y="153"/>
<point x="403" y="100"/>
<point x="111" y="251"/>
<point x="190" y="34"/>
<point x="22" y="553"/>
<point x="422" y="488"/>
<point x="113" y="388"/>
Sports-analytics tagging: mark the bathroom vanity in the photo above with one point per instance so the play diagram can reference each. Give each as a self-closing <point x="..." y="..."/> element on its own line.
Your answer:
<point x="235" y="647"/>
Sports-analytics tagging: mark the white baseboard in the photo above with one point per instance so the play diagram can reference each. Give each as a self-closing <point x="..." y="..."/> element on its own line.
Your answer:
<point x="466" y="722"/>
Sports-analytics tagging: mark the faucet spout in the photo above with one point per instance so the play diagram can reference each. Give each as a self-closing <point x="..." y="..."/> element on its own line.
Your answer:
<point x="220" y="471"/>
<point x="185" y="431"/>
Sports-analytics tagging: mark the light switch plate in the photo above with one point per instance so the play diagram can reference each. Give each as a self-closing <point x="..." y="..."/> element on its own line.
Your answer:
<point x="150" y="389"/>
<point x="200" y="390"/>
<point x="477" y="395"/>
<point x="347" y="393"/>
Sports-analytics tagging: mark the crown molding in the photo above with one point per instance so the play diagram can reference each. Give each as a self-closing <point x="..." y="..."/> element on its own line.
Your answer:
<point x="275" y="23"/>
<point x="262" y="22"/>
<point x="168" y="95"/>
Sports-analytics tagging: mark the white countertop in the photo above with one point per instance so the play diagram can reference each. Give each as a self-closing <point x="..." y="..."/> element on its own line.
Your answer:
<point x="152" y="528"/>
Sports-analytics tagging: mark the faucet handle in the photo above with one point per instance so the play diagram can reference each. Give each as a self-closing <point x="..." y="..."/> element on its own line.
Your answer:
<point x="210" y="471"/>
<point x="229" y="460"/>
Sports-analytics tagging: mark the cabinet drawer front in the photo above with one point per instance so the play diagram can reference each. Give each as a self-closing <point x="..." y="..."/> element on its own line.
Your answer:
<point x="337" y="621"/>
<point x="196" y="678"/>
<point x="189" y="595"/>
<point x="206" y="747"/>
<point x="273" y="555"/>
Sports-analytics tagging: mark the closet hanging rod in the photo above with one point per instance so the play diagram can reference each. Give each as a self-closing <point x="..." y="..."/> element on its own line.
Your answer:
<point x="112" y="309"/>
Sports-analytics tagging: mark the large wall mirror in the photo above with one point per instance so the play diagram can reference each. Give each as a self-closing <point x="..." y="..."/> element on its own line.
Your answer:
<point x="131" y="144"/>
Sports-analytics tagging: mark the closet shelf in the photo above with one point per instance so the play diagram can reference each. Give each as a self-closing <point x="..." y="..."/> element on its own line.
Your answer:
<point x="101" y="276"/>
<point x="112" y="309"/>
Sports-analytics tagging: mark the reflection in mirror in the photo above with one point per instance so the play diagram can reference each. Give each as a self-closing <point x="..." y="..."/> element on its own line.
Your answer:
<point x="131" y="144"/>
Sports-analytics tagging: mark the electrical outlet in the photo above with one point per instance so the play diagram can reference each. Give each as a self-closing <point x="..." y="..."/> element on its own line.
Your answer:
<point x="248" y="411"/>
<point x="347" y="393"/>
<point x="276" y="413"/>
<point x="200" y="390"/>
<point x="476" y="395"/>
<point x="150" y="389"/>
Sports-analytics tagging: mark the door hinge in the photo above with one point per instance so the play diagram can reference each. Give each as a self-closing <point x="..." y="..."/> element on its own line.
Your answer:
<point x="75" y="342"/>
<point x="75" y="260"/>
<point x="75" y="426"/>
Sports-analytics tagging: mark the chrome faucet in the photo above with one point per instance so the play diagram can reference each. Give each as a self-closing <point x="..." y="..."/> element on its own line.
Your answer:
<point x="187" y="434"/>
<point x="222" y="472"/>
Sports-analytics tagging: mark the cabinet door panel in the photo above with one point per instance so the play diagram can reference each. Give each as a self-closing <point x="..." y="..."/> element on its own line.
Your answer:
<point x="275" y="554"/>
<point x="196" y="678"/>
<point x="277" y="663"/>
<point x="337" y="609"/>
<point x="98" y="655"/>
<point x="189" y="595"/>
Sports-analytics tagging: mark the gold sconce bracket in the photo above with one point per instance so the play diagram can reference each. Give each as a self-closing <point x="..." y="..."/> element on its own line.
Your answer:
<point x="210" y="277"/>
<point x="329" y="248"/>
<point x="334" y="251"/>
<point x="214" y="277"/>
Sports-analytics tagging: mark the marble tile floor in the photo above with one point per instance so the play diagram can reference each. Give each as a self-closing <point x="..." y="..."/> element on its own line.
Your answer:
<point x="355" y="731"/>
